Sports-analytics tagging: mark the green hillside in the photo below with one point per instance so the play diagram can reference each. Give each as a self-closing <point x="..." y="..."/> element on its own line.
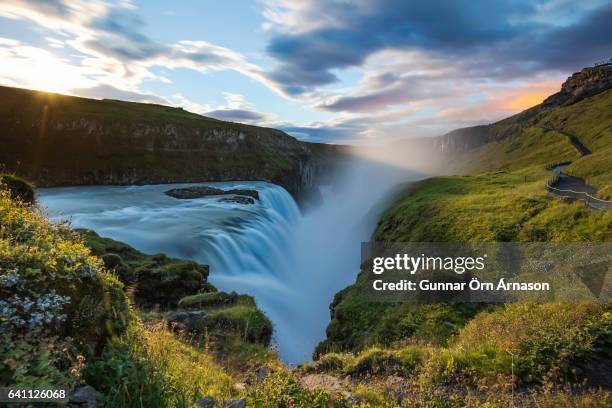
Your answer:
<point x="497" y="194"/>
<point x="541" y="138"/>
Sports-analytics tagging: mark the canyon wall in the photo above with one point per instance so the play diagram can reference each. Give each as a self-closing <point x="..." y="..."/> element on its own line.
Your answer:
<point x="57" y="140"/>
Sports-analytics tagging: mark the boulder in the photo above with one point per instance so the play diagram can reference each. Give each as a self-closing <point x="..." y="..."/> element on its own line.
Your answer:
<point x="238" y="200"/>
<point x="320" y="382"/>
<point x="261" y="373"/>
<point x="184" y="321"/>
<point x="241" y="403"/>
<point x="205" y="191"/>
<point x="206" y="402"/>
<point x="83" y="397"/>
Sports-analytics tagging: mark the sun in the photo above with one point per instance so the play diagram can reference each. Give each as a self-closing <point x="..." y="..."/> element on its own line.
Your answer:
<point x="38" y="69"/>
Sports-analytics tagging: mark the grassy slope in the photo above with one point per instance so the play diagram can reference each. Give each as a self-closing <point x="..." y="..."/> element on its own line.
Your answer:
<point x="524" y="140"/>
<point x="502" y="199"/>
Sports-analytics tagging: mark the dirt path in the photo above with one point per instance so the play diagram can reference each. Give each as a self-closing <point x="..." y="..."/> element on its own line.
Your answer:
<point x="573" y="139"/>
<point x="575" y="188"/>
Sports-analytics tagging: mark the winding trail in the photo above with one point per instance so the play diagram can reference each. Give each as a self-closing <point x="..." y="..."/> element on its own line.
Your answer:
<point x="573" y="139"/>
<point x="576" y="188"/>
<point x="567" y="186"/>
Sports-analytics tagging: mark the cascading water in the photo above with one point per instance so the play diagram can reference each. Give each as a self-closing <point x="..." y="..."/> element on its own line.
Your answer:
<point x="291" y="264"/>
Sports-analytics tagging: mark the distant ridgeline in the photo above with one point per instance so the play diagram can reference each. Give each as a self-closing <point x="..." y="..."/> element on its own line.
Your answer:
<point x="582" y="107"/>
<point x="58" y="140"/>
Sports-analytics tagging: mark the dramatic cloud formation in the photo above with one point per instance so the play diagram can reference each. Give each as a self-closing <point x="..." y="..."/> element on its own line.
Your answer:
<point x="455" y="63"/>
<point x="341" y="70"/>
<point x="516" y="35"/>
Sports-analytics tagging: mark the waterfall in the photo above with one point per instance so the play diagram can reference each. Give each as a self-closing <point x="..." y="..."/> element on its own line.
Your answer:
<point x="250" y="248"/>
<point x="292" y="264"/>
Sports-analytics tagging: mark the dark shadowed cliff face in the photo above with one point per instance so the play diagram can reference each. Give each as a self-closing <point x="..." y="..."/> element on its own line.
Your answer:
<point x="58" y="140"/>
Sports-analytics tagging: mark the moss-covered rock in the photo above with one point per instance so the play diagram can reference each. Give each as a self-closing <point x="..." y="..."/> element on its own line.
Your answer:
<point x="215" y="300"/>
<point x="156" y="280"/>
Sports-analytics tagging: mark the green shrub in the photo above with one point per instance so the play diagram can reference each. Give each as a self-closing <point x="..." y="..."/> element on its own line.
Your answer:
<point x="165" y="282"/>
<point x="157" y="280"/>
<point x="549" y="340"/>
<point x="328" y="363"/>
<point x="281" y="389"/>
<point x="381" y="362"/>
<point x="58" y="305"/>
<point x="246" y="321"/>
<point x="19" y="188"/>
<point x="115" y="263"/>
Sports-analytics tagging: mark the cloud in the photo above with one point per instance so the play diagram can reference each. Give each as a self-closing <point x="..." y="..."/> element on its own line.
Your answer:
<point x="501" y="39"/>
<point x="236" y="115"/>
<point x="414" y="68"/>
<point x="109" y="92"/>
<point x="237" y="109"/>
<point x="113" y="49"/>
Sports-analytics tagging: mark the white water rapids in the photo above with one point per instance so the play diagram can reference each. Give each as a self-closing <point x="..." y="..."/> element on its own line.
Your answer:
<point x="292" y="264"/>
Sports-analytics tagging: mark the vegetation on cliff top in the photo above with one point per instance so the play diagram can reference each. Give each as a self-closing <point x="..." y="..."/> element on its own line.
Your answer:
<point x="58" y="303"/>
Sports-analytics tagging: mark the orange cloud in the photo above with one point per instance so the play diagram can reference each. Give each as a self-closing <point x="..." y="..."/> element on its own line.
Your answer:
<point x="529" y="95"/>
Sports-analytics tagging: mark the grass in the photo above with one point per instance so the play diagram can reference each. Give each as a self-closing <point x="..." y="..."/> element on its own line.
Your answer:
<point x="457" y="354"/>
<point x="489" y="207"/>
<point x="18" y="188"/>
<point x="500" y="206"/>
<point x="248" y="322"/>
<point x="552" y="343"/>
<point x="530" y="146"/>
<point x="149" y="367"/>
<point x="116" y="142"/>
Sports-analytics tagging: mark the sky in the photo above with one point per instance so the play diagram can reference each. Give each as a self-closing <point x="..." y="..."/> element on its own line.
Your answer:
<point x="335" y="71"/>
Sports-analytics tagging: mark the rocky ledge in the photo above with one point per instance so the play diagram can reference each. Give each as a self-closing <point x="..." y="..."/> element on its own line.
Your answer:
<point x="588" y="82"/>
<point x="242" y="196"/>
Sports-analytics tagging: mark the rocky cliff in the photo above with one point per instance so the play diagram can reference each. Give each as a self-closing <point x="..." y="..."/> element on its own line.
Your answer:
<point x="57" y="140"/>
<point x="588" y="82"/>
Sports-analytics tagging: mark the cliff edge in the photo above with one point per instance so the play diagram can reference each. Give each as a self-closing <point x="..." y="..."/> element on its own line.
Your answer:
<point x="59" y="140"/>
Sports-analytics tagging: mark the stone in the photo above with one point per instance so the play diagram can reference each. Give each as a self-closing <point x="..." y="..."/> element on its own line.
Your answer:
<point x="83" y="397"/>
<point x="205" y="191"/>
<point x="261" y="373"/>
<point x="184" y="321"/>
<point x="319" y="382"/>
<point x="206" y="402"/>
<point x="241" y="403"/>
<point x="238" y="200"/>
